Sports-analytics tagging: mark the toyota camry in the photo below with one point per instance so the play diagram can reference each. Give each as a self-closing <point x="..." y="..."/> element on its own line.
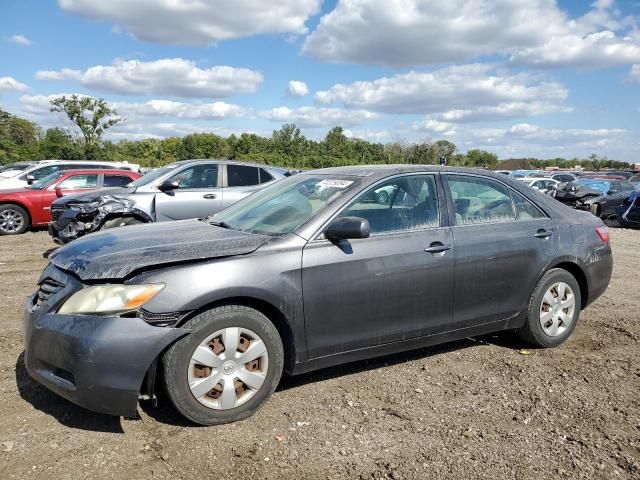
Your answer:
<point x="312" y="271"/>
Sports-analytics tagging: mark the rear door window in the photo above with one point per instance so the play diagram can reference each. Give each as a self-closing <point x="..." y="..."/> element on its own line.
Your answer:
<point x="265" y="176"/>
<point x="242" y="176"/>
<point x="116" y="180"/>
<point x="479" y="200"/>
<point x="525" y="210"/>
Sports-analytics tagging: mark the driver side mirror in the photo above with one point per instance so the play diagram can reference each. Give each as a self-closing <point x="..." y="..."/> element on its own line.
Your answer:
<point x="168" y="186"/>
<point x="59" y="192"/>
<point x="347" y="227"/>
<point x="30" y="179"/>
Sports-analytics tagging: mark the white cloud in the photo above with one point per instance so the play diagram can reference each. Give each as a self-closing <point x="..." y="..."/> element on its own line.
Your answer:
<point x="9" y="84"/>
<point x="634" y="74"/>
<point x="20" y="40"/>
<point x="168" y="108"/>
<point x="599" y="49"/>
<point x="39" y="106"/>
<point x="319" y="117"/>
<point x="422" y="32"/>
<point x="460" y="93"/>
<point x="198" y="22"/>
<point x="297" y="88"/>
<point x="171" y="76"/>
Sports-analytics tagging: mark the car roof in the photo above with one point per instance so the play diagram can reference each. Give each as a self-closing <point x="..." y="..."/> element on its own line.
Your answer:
<point x="386" y="170"/>
<point x="109" y="171"/>
<point x="230" y="162"/>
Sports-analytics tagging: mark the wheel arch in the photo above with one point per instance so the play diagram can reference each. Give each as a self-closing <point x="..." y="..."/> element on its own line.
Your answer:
<point x="274" y="314"/>
<point x="578" y="273"/>
<point x="18" y="204"/>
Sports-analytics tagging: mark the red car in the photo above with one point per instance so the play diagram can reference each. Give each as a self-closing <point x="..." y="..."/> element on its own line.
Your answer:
<point x="30" y="206"/>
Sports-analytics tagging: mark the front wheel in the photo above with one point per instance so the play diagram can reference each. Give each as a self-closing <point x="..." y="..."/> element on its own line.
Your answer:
<point x="14" y="220"/>
<point x="554" y="309"/>
<point x="226" y="368"/>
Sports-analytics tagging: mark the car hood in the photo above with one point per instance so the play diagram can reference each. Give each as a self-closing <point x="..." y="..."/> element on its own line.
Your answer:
<point x="117" y="253"/>
<point x="93" y="196"/>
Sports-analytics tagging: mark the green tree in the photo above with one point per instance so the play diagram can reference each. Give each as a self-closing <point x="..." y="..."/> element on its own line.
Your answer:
<point x="90" y="116"/>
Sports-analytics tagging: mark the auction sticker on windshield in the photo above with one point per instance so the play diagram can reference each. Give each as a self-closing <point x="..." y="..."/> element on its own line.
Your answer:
<point x="333" y="183"/>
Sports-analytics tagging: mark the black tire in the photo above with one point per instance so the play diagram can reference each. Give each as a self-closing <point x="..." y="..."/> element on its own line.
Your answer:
<point x="532" y="332"/>
<point x="383" y="197"/>
<point x="120" y="222"/>
<point x="17" y="214"/>
<point x="176" y="361"/>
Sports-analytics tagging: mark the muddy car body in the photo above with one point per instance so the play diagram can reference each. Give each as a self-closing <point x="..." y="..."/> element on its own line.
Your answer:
<point x="286" y="281"/>
<point x="186" y="189"/>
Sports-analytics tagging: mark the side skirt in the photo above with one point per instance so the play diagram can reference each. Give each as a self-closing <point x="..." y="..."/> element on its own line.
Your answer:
<point x="396" y="347"/>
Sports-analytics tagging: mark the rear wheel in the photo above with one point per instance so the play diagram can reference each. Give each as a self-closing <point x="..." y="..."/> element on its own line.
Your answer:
<point x="226" y="368"/>
<point x="554" y="309"/>
<point x="14" y="220"/>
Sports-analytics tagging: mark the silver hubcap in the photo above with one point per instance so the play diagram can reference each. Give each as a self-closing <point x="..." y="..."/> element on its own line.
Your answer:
<point x="11" y="220"/>
<point x="557" y="309"/>
<point x="228" y="368"/>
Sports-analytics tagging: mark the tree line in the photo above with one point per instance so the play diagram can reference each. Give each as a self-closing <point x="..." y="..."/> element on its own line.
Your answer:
<point x="21" y="139"/>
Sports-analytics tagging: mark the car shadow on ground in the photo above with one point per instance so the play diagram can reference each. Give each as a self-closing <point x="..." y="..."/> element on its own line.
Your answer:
<point x="63" y="411"/>
<point x="74" y="416"/>
<point x="165" y="413"/>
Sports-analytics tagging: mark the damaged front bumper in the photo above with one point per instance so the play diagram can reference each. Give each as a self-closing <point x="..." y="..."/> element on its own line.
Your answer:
<point x="97" y="362"/>
<point x="77" y="220"/>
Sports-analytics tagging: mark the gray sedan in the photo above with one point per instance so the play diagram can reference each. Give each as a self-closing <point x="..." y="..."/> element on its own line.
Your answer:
<point x="291" y="280"/>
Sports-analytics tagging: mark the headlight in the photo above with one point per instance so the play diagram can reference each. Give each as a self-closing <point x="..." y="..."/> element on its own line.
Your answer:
<point x="110" y="298"/>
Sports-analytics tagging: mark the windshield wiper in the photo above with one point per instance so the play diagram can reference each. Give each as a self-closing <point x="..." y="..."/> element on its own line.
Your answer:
<point x="223" y="225"/>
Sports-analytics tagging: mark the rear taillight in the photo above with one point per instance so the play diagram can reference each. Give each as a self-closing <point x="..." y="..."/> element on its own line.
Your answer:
<point x="603" y="233"/>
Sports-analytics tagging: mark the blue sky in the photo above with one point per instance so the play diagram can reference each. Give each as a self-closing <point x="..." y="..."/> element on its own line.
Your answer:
<point x="518" y="77"/>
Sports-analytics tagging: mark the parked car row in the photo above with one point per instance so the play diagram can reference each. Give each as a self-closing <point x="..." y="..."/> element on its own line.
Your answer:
<point x="317" y="269"/>
<point x="601" y="193"/>
<point x="76" y="201"/>
<point x="21" y="174"/>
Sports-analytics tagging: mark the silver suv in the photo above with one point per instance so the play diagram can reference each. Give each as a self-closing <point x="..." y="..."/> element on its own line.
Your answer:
<point x="185" y="189"/>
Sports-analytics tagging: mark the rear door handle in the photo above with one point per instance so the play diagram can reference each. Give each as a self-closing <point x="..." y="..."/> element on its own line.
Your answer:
<point x="210" y="196"/>
<point x="437" y="247"/>
<point x="542" y="233"/>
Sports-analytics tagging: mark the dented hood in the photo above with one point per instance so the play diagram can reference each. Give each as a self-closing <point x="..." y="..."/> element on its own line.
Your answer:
<point x="115" y="254"/>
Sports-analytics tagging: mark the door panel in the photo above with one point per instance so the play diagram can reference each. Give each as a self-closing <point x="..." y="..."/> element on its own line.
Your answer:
<point x="500" y="249"/>
<point x="376" y="290"/>
<point x="385" y="288"/>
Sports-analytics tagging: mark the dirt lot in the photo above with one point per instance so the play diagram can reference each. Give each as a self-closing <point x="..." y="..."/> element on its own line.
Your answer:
<point x="482" y="407"/>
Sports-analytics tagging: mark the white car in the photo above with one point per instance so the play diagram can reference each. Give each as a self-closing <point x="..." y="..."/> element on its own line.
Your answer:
<point x="41" y="169"/>
<point x="545" y="185"/>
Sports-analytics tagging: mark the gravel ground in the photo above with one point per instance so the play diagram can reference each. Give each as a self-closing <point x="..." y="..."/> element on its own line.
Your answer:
<point x="486" y="407"/>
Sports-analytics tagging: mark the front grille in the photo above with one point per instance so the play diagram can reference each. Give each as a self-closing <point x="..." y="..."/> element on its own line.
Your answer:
<point x="48" y="287"/>
<point x="56" y="212"/>
<point x="159" y="319"/>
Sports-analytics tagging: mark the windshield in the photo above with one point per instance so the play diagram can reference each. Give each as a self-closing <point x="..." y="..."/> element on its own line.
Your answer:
<point x="601" y="185"/>
<point x="44" y="182"/>
<point x="15" y="167"/>
<point x="153" y="175"/>
<point x="285" y="205"/>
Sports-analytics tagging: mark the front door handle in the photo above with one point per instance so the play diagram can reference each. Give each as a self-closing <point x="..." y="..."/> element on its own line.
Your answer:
<point x="210" y="196"/>
<point x="542" y="233"/>
<point x="437" y="247"/>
